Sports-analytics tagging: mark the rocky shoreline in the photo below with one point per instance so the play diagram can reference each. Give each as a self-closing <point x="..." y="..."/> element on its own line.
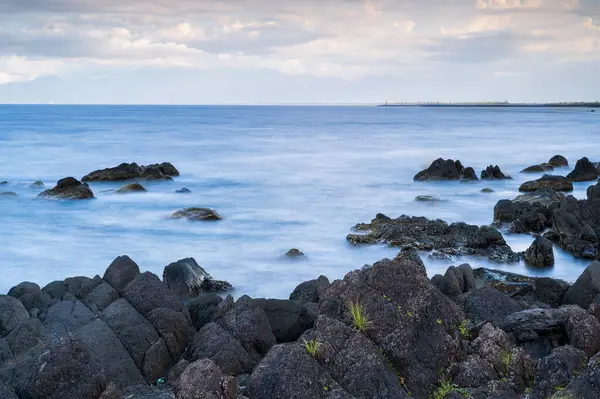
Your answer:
<point x="383" y="331"/>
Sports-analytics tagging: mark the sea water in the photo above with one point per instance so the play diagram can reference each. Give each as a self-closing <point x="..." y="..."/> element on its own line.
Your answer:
<point x="282" y="177"/>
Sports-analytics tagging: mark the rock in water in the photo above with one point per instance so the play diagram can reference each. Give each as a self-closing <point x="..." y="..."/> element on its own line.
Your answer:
<point x="493" y="172"/>
<point x="294" y="253"/>
<point x="129" y="171"/>
<point x="447" y="169"/>
<point x="197" y="214"/>
<point x="457" y="239"/>
<point x="69" y="188"/>
<point x="584" y="171"/>
<point x="426" y="198"/>
<point x="131" y="188"/>
<point x="558" y="160"/>
<point x="37" y="184"/>
<point x="184" y="191"/>
<point x="544" y="167"/>
<point x="556" y="183"/>
<point x="188" y="279"/>
<point x="540" y="253"/>
<point x="487" y="190"/>
<point x="8" y="194"/>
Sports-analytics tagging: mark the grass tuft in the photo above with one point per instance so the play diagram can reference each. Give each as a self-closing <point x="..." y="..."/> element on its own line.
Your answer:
<point x="358" y="316"/>
<point x="445" y="388"/>
<point x="312" y="347"/>
<point x="506" y="358"/>
<point x="464" y="329"/>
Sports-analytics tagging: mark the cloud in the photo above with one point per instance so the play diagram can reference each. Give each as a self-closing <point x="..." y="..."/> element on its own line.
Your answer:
<point x="19" y="69"/>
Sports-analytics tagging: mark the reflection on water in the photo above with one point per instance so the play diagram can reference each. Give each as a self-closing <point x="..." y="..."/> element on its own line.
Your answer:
<point x="282" y="177"/>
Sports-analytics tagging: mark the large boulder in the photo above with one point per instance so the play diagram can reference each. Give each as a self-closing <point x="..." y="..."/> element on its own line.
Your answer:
<point x="66" y="317"/>
<point x="556" y="370"/>
<point x="288" y="320"/>
<point x="587" y="287"/>
<point x="310" y="291"/>
<point x="585" y="384"/>
<point x="121" y="272"/>
<point x="32" y="297"/>
<point x="556" y="183"/>
<point x="146" y="292"/>
<point x="550" y="291"/>
<point x="188" y="279"/>
<point x="493" y="172"/>
<point x="558" y="161"/>
<point x="197" y="214"/>
<point x="474" y="372"/>
<point x="488" y="305"/>
<point x="100" y="297"/>
<point x="458" y="239"/>
<point x="203" y="309"/>
<point x="584" y="171"/>
<point x="69" y="188"/>
<point x="174" y="327"/>
<point x="442" y="169"/>
<point x="491" y="345"/>
<point x="532" y="210"/>
<point x="412" y="322"/>
<point x="204" y="380"/>
<point x="456" y="281"/>
<point x="129" y="171"/>
<point x="540" y="253"/>
<point x="27" y="335"/>
<point x="213" y="342"/>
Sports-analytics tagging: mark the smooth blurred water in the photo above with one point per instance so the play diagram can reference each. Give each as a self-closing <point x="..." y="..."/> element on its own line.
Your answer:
<point x="282" y="177"/>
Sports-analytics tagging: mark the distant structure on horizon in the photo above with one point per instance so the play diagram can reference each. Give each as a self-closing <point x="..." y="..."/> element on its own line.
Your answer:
<point x="499" y="104"/>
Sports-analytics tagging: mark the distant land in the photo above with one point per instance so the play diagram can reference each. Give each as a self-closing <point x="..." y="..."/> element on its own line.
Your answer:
<point x="504" y="104"/>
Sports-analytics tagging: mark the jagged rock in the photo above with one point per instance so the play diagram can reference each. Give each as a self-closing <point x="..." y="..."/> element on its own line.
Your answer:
<point x="126" y="171"/>
<point x="413" y="323"/>
<point x="197" y="214"/>
<point x="294" y="253"/>
<point x="12" y="314"/>
<point x="550" y="291"/>
<point x="543" y="167"/>
<point x="540" y="253"/>
<point x="493" y="172"/>
<point x="69" y="188"/>
<point x="213" y="342"/>
<point x="488" y="305"/>
<point x="584" y="171"/>
<point x="80" y="287"/>
<point x="445" y="170"/>
<point x="556" y="183"/>
<point x="131" y="188"/>
<point x="474" y="372"/>
<point x="585" y="384"/>
<point x="555" y="371"/>
<point x="491" y="345"/>
<point x="287" y="319"/>
<point x="529" y="212"/>
<point x="558" y="161"/>
<point x="121" y="272"/>
<point x="424" y="234"/>
<point x="203" y="309"/>
<point x="310" y="291"/>
<point x="188" y="279"/>
<point x="101" y="297"/>
<point x="174" y="327"/>
<point x="587" y="287"/>
<point x="456" y="281"/>
<point x="204" y="379"/>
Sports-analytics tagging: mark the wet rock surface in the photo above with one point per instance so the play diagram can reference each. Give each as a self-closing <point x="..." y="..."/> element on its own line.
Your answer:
<point x="197" y="214"/>
<point x="492" y="173"/>
<point x="556" y="183"/>
<point x="447" y="169"/>
<point x="131" y="171"/>
<point x="69" y="188"/>
<point x="584" y="171"/>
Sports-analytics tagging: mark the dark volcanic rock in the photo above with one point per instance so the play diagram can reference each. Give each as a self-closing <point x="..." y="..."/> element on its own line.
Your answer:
<point x="31" y="296"/>
<point x="487" y="190"/>
<point x="488" y="304"/>
<point x="66" y="317"/>
<point x="101" y="297"/>
<point x="128" y="171"/>
<point x="121" y="272"/>
<point x="474" y="372"/>
<point x="584" y="171"/>
<point x="558" y="161"/>
<point x="456" y="281"/>
<point x="493" y="172"/>
<point x="555" y="371"/>
<point x="310" y="291"/>
<point x="586" y="384"/>
<point x="131" y="188"/>
<point x="544" y="167"/>
<point x="412" y="322"/>
<point x="528" y="212"/>
<point x="550" y="291"/>
<point x="426" y="198"/>
<point x="8" y="194"/>
<point x="556" y="183"/>
<point x="213" y="342"/>
<point x="294" y="253"/>
<point x="203" y="379"/>
<point x="203" y="309"/>
<point x="12" y="313"/>
<point x="7" y="392"/>
<point x="287" y="318"/>
<point x="183" y="191"/>
<point x="188" y="279"/>
<point x="37" y="184"/>
<point x="197" y="214"/>
<point x="442" y="169"/>
<point x="424" y="234"/>
<point x="69" y="188"/>
<point x="540" y="253"/>
<point x="586" y="288"/>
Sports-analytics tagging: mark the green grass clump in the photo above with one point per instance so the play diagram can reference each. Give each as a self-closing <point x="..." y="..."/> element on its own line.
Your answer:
<point x="464" y="330"/>
<point x="445" y="388"/>
<point x="358" y="316"/>
<point x="506" y="357"/>
<point x="312" y="347"/>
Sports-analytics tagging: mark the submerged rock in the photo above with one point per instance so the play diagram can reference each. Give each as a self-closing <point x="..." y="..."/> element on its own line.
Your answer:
<point x="426" y="198"/>
<point x="556" y="183"/>
<point x="188" y="279"/>
<point x="493" y="172"/>
<point x="543" y="167"/>
<point x="558" y="161"/>
<point x="129" y="171"/>
<point x="540" y="253"/>
<point x="183" y="191"/>
<point x="424" y="234"/>
<point x="487" y="190"/>
<point x="37" y="184"/>
<point x="8" y="194"/>
<point x="197" y="214"/>
<point x="69" y="188"/>
<point x="529" y="212"/>
<point x="584" y="171"/>
<point x="447" y="169"/>
<point x="131" y="188"/>
<point x="294" y="253"/>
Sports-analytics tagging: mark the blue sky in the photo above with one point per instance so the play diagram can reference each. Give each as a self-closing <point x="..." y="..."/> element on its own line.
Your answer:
<point x="311" y="51"/>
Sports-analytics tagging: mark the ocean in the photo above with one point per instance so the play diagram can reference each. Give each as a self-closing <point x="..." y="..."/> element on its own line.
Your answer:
<point x="282" y="177"/>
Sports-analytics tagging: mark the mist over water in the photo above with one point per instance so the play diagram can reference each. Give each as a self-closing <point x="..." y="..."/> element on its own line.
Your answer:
<point x="281" y="177"/>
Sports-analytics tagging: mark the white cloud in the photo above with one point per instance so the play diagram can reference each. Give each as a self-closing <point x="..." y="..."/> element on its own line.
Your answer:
<point x="19" y="69"/>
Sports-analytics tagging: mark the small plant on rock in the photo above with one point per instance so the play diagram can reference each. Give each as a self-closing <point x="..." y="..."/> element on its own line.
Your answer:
<point x="358" y="316"/>
<point x="312" y="347"/>
<point x="464" y="329"/>
<point x="445" y="388"/>
<point x="506" y="358"/>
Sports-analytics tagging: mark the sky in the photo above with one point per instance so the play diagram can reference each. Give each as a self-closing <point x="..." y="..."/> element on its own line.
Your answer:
<point x="298" y="52"/>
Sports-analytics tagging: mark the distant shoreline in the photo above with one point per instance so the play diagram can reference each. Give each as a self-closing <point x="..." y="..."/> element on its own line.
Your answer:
<point x="496" y="105"/>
